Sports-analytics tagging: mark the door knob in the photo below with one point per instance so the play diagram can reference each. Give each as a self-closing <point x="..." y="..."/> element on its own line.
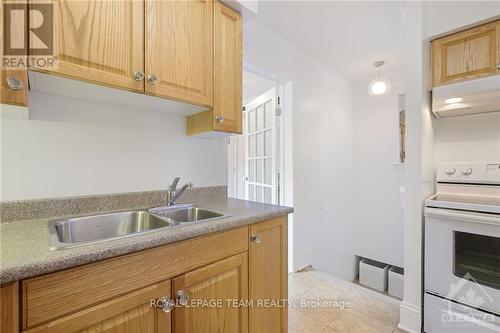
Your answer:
<point x="152" y="79"/>
<point x="219" y="119"/>
<point x="138" y="76"/>
<point x="166" y="304"/>
<point x="182" y="297"/>
<point x="14" y="83"/>
<point x="255" y="238"/>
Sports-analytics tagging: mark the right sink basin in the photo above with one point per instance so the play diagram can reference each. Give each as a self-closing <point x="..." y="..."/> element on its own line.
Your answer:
<point x="188" y="214"/>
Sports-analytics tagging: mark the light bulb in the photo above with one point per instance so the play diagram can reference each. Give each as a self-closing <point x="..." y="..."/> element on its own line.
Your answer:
<point x="379" y="87"/>
<point x="453" y="100"/>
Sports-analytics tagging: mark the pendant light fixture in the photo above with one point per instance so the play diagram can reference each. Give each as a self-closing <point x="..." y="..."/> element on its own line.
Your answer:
<point x="379" y="86"/>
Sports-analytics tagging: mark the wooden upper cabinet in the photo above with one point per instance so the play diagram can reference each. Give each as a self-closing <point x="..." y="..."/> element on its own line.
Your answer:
<point x="467" y="54"/>
<point x="222" y="282"/>
<point x="14" y="86"/>
<point x="268" y="275"/>
<point x="100" y="41"/>
<point x="130" y="313"/>
<point x="179" y="50"/>
<point x="228" y="69"/>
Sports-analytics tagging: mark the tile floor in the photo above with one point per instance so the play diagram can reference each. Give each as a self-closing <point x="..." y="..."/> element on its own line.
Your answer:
<point x="364" y="311"/>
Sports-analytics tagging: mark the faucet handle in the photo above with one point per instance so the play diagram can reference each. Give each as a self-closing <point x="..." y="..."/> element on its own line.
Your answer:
<point x="173" y="187"/>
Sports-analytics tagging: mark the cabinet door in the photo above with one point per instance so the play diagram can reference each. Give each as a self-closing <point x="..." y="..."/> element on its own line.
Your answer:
<point x="228" y="68"/>
<point x="268" y="276"/>
<point x="100" y="42"/>
<point x="219" y="283"/>
<point x="130" y="313"/>
<point x="14" y="87"/>
<point x="179" y="47"/>
<point x="9" y="306"/>
<point x="468" y="54"/>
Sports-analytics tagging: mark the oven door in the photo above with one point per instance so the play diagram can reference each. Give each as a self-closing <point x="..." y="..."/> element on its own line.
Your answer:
<point x="462" y="257"/>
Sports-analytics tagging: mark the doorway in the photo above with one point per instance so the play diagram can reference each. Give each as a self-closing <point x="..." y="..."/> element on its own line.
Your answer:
<point x="260" y="159"/>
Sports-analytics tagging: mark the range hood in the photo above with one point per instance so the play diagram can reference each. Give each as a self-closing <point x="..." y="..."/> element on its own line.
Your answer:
<point x="469" y="97"/>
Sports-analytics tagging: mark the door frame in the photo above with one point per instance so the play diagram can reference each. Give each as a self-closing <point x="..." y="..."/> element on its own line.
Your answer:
<point x="286" y="150"/>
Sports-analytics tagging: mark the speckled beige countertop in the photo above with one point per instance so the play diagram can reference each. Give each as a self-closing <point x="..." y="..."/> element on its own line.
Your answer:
<point x="25" y="249"/>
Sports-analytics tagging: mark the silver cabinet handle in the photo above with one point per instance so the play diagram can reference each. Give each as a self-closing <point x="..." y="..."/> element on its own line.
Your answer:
<point x="166" y="304"/>
<point x="138" y="76"/>
<point x="498" y="66"/>
<point x="152" y="79"/>
<point x="255" y="238"/>
<point x="14" y="83"/>
<point x="219" y="119"/>
<point x="182" y="297"/>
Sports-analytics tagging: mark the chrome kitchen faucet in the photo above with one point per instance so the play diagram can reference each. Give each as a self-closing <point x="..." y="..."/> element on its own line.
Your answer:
<point x="173" y="193"/>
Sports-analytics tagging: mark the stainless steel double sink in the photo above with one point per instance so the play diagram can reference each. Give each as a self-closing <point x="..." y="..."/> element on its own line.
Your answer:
<point x="72" y="232"/>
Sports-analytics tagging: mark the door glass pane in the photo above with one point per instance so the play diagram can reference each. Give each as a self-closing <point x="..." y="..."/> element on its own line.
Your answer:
<point x="268" y="115"/>
<point x="268" y="172"/>
<point x="260" y="118"/>
<point x="251" y="121"/>
<point x="260" y="144"/>
<point x="268" y="143"/>
<point x="259" y="171"/>
<point x="479" y="256"/>
<point x="267" y="195"/>
<point x="251" y="146"/>
<point x="251" y="192"/>
<point x="251" y="170"/>
<point x="258" y="193"/>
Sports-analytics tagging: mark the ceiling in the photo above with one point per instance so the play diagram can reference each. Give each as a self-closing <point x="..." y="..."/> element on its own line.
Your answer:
<point x="347" y="36"/>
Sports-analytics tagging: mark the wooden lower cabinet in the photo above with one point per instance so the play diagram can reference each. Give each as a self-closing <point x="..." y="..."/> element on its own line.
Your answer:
<point x="9" y="308"/>
<point x="130" y="313"/>
<point x="211" y="294"/>
<point x="209" y="282"/>
<point x="268" y="277"/>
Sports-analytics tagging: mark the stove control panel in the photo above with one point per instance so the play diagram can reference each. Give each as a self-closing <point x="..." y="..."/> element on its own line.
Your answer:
<point x="469" y="172"/>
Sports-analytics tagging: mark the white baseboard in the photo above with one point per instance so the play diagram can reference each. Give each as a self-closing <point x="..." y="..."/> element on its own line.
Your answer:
<point x="410" y="318"/>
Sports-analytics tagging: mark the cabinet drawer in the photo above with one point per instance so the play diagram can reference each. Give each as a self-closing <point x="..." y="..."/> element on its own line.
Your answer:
<point x="129" y="313"/>
<point x="52" y="296"/>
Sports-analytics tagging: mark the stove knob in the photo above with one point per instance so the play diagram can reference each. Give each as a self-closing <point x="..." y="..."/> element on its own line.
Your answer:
<point x="450" y="171"/>
<point x="467" y="172"/>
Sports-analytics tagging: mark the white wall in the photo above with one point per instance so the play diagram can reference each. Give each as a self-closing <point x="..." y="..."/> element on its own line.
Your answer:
<point x="255" y="85"/>
<point x="447" y="16"/>
<point x="468" y="138"/>
<point x="377" y="210"/>
<point x="75" y="147"/>
<point x="322" y="132"/>
<point x="419" y="171"/>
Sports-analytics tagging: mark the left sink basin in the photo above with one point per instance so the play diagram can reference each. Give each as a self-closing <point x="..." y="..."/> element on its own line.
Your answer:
<point x="86" y="230"/>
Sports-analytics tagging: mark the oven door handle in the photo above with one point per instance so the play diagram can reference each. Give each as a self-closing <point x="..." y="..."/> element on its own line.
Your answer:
<point x="491" y="219"/>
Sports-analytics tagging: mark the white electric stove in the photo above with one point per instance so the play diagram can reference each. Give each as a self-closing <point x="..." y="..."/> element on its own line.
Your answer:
<point x="462" y="250"/>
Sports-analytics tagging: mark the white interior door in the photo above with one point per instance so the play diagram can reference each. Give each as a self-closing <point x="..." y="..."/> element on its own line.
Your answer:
<point x="261" y="148"/>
